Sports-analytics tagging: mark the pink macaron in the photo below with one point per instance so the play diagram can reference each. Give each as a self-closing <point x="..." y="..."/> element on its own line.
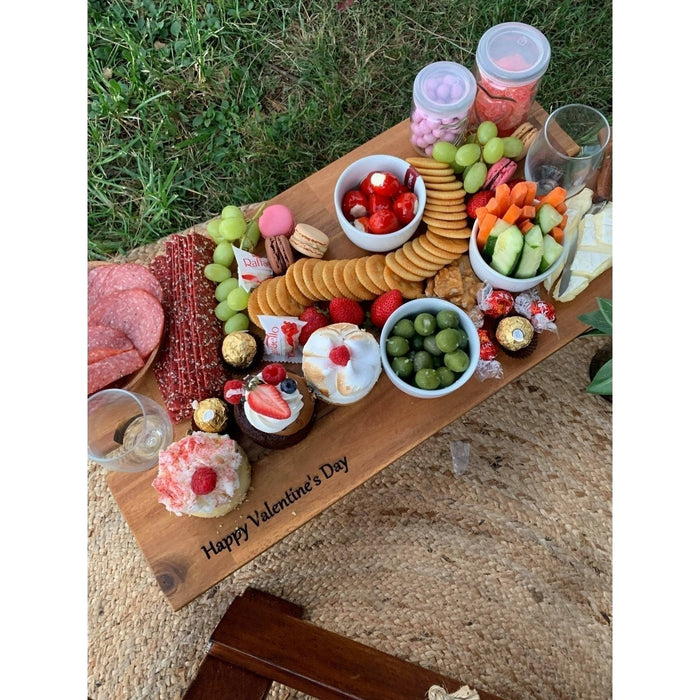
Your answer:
<point x="500" y="172"/>
<point x="276" y="220"/>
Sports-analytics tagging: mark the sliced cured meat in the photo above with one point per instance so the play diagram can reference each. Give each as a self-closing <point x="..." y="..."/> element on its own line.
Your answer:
<point x="104" y="280"/>
<point x="135" y="312"/>
<point x="104" y="341"/>
<point x="109" y="369"/>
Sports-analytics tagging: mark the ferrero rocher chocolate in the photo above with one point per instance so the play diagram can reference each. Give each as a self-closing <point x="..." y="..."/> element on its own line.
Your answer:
<point x="514" y="333"/>
<point x="239" y="349"/>
<point x="210" y="415"/>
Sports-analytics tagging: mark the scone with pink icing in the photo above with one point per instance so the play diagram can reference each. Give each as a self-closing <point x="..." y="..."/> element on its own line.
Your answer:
<point x="203" y="474"/>
<point x="342" y="362"/>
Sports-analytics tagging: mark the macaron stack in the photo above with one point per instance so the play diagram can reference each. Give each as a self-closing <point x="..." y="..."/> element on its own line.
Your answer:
<point x="276" y="226"/>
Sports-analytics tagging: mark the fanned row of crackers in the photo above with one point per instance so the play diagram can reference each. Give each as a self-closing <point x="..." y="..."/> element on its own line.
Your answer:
<point x="445" y="240"/>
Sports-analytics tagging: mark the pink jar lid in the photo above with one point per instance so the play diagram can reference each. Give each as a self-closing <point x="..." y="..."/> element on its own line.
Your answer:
<point x="514" y="53"/>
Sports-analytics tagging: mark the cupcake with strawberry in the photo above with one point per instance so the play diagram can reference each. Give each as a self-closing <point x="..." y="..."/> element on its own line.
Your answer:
<point x="274" y="408"/>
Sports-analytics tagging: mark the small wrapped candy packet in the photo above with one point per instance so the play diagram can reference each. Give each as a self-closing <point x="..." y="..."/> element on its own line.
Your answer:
<point x="541" y="314"/>
<point x="281" y="342"/>
<point x="252" y="269"/>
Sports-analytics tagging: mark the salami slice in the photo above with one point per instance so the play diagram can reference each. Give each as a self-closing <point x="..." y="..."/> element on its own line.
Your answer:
<point x="107" y="279"/>
<point x="109" y="369"/>
<point x="135" y="312"/>
<point x="104" y="341"/>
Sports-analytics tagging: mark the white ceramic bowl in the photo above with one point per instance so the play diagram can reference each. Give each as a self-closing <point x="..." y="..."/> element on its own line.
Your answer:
<point x="487" y="274"/>
<point x="350" y="179"/>
<point x="411" y="309"/>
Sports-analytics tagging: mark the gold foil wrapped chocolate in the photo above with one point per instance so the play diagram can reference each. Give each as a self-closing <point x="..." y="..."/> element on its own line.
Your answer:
<point x="514" y="333"/>
<point x="210" y="415"/>
<point x="239" y="349"/>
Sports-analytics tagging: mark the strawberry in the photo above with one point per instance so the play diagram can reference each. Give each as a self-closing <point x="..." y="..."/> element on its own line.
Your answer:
<point x="479" y="199"/>
<point x="344" y="310"/>
<point x="266" y="400"/>
<point x="314" y="320"/>
<point x="203" y="481"/>
<point x="385" y="305"/>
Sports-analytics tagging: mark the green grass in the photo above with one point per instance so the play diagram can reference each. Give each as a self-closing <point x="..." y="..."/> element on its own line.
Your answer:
<point x="195" y="105"/>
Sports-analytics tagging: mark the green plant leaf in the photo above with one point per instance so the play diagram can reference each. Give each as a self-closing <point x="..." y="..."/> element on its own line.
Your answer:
<point x="602" y="382"/>
<point x="599" y="320"/>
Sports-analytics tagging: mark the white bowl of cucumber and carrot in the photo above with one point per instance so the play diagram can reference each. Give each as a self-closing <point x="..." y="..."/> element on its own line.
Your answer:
<point x="518" y="239"/>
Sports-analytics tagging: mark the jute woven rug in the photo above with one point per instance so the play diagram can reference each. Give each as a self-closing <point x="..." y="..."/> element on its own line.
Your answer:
<point x="500" y="576"/>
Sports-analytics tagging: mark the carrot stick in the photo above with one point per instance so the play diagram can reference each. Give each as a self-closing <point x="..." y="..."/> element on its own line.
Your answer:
<point x="558" y="234"/>
<point x="518" y="193"/>
<point x="485" y="227"/>
<point x="481" y="212"/>
<point x="512" y="214"/>
<point x="554" y="197"/>
<point x="531" y="192"/>
<point x="525" y="225"/>
<point x="502" y="197"/>
<point x="561" y="208"/>
<point x="528" y="212"/>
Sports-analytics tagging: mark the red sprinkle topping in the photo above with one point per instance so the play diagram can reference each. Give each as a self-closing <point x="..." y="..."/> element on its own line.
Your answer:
<point x="203" y="481"/>
<point x="340" y="355"/>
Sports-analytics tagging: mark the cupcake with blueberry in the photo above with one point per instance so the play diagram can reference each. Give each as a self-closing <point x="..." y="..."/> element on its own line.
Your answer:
<point x="274" y="408"/>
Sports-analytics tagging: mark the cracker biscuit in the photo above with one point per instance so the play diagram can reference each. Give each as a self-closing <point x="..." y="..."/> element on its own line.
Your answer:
<point x="419" y="162"/>
<point x="293" y="290"/>
<point x="430" y="179"/>
<point x="459" y="215"/>
<point x="461" y="233"/>
<point x="329" y="279"/>
<point x="408" y="264"/>
<point x="309" y="281"/>
<point x="365" y="280"/>
<point x="272" y="307"/>
<point x="297" y="270"/>
<point x="430" y="251"/>
<point x="339" y="279"/>
<point x="319" y="282"/>
<point x="454" y="201"/>
<point x="451" y="245"/>
<point x="254" y="310"/>
<point x="374" y="267"/>
<point x="421" y="261"/>
<point x="352" y="281"/>
<point x="434" y="208"/>
<point x="444" y="223"/>
<point x="409" y="290"/>
<point x="451" y="186"/>
<point x="286" y="302"/>
<point x="398" y="269"/>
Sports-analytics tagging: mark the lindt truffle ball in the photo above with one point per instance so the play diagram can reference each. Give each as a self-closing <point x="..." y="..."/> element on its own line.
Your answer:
<point x="239" y="349"/>
<point x="514" y="333"/>
<point x="210" y="415"/>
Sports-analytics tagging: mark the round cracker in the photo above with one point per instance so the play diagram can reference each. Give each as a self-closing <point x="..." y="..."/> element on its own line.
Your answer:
<point x="297" y="270"/>
<point x="421" y="261"/>
<point x="292" y="289"/>
<point x="352" y="281"/>
<point x="452" y="202"/>
<point x="460" y="233"/>
<point x="438" y="208"/>
<point x="339" y="279"/>
<point x="272" y="306"/>
<point x="430" y="251"/>
<point x="254" y="311"/>
<point x="444" y="223"/>
<point x="319" y="282"/>
<point x="408" y="264"/>
<point x="409" y="290"/>
<point x="374" y="266"/>
<point x="431" y="180"/>
<point x="309" y="279"/>
<point x="329" y="279"/>
<point x="365" y="280"/>
<point x="398" y="269"/>
<point x="450" y="186"/>
<point x="428" y="163"/>
<point x="460" y="215"/>
<point x="452" y="245"/>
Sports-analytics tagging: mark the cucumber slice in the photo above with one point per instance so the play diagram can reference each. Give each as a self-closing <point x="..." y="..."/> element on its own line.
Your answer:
<point x="490" y="244"/>
<point x="551" y="250"/>
<point x="531" y="257"/>
<point x="547" y="217"/>
<point x="506" y="252"/>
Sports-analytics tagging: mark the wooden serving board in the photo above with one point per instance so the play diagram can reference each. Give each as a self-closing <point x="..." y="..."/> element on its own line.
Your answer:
<point x="346" y="446"/>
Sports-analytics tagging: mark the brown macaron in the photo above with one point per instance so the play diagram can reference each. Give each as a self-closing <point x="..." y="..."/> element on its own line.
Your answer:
<point x="279" y="253"/>
<point x="309" y="241"/>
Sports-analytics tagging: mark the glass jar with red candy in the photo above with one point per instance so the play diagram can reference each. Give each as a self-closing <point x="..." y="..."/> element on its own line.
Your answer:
<point x="511" y="59"/>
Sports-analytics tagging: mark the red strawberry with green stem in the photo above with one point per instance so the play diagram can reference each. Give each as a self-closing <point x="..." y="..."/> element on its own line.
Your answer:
<point x="314" y="320"/>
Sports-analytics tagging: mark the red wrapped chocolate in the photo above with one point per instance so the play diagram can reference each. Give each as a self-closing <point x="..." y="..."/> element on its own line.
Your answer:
<point x="487" y="348"/>
<point x="495" y="303"/>
<point x="541" y="314"/>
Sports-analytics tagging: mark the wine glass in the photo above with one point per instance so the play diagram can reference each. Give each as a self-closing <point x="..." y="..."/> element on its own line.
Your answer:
<point x="550" y="164"/>
<point x="126" y="431"/>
